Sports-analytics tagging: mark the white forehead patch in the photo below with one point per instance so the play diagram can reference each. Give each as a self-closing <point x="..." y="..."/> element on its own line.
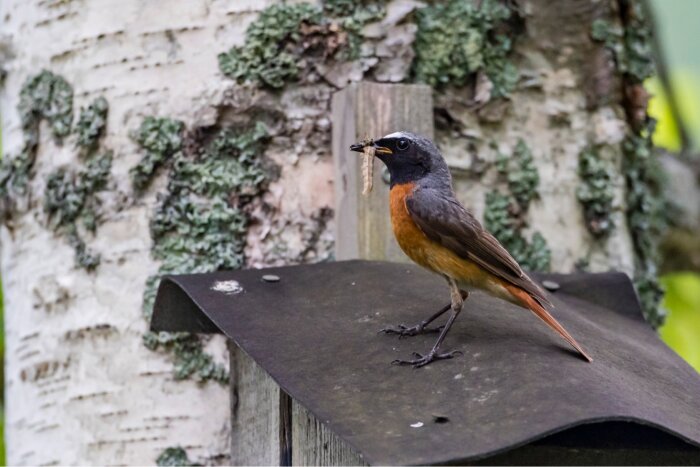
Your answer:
<point x="398" y="134"/>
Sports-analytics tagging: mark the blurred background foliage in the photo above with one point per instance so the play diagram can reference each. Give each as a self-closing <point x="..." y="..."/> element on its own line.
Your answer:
<point x="677" y="22"/>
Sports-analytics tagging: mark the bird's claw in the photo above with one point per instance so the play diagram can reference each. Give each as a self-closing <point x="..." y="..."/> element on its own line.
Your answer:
<point x="402" y="330"/>
<point x="422" y="360"/>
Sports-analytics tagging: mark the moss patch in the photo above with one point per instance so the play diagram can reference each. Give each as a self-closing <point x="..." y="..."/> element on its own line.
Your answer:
<point x="200" y="223"/>
<point x="505" y="213"/>
<point x="595" y="193"/>
<point x="456" y="39"/>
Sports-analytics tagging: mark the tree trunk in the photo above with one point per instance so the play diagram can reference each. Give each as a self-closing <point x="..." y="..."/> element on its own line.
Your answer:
<point x="526" y="129"/>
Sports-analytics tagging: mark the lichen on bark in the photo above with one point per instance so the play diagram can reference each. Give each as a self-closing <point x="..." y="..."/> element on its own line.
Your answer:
<point x="200" y="222"/>
<point x="173" y="456"/>
<point x="91" y="124"/>
<point x="457" y="39"/>
<point x="596" y="191"/>
<point x="646" y="206"/>
<point x="505" y="214"/>
<point x="160" y="138"/>
<point x="646" y="216"/>
<point x="71" y="204"/>
<point x="287" y="39"/>
<point x="44" y="96"/>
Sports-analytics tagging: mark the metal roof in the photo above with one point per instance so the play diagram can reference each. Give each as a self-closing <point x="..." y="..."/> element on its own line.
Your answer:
<point x="315" y="332"/>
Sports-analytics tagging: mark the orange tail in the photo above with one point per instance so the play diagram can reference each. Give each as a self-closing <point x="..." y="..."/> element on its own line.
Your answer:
<point x="531" y="304"/>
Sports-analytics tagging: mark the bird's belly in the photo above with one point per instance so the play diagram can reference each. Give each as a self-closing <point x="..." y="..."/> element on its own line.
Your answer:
<point x="435" y="257"/>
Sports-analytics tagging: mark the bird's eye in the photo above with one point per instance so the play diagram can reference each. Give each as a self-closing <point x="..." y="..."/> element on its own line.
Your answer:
<point x="402" y="144"/>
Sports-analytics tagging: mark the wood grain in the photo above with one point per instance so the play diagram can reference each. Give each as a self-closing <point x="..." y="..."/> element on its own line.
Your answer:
<point x="314" y="444"/>
<point x="260" y="421"/>
<point x="363" y="227"/>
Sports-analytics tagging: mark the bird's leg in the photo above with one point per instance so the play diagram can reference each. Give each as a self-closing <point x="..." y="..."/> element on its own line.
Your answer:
<point x="402" y="330"/>
<point x="458" y="297"/>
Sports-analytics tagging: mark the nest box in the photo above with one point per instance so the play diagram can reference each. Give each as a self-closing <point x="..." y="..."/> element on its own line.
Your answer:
<point x="312" y="383"/>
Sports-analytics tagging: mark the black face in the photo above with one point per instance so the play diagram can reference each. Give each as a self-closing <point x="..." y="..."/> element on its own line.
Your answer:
<point x="401" y="152"/>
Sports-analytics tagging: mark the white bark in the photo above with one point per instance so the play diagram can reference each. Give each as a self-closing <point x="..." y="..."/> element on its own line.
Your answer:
<point x="81" y="387"/>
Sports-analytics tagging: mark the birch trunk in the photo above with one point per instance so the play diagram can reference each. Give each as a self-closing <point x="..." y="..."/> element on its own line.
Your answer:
<point x="80" y="385"/>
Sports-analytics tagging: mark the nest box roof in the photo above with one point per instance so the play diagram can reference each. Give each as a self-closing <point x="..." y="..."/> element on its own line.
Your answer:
<point x="315" y="332"/>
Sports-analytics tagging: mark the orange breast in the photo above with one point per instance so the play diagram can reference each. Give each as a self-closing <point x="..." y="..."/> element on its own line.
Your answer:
<point x="430" y="254"/>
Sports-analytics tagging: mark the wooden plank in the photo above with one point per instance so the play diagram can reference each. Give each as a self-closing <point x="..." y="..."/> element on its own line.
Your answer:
<point x="363" y="227"/>
<point x="260" y="414"/>
<point x="314" y="444"/>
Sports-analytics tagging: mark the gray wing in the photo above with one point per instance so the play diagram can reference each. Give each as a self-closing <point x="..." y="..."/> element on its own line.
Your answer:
<point x="444" y="220"/>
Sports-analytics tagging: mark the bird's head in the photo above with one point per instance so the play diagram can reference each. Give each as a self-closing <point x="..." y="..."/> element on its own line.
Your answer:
<point x="409" y="157"/>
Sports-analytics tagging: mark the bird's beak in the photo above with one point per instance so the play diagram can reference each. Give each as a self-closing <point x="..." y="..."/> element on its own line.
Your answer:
<point x="360" y="147"/>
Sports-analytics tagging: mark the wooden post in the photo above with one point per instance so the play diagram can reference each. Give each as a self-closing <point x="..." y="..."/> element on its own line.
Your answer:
<point x="267" y="426"/>
<point x="260" y="414"/>
<point x="361" y="110"/>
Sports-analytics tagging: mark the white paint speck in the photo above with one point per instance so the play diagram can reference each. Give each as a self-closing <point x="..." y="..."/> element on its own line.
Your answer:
<point x="459" y="376"/>
<point x="227" y="287"/>
<point x="416" y="425"/>
<point x="474" y="368"/>
<point x="485" y="396"/>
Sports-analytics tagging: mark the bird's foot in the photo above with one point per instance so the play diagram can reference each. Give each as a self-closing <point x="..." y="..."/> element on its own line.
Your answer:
<point x="402" y="330"/>
<point x="422" y="360"/>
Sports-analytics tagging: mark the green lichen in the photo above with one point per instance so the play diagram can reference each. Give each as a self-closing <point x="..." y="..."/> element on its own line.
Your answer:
<point x="161" y="139"/>
<point x="505" y="213"/>
<point x="646" y="217"/>
<point x="70" y="201"/>
<point x="456" y="39"/>
<point x="287" y="37"/>
<point x="352" y="20"/>
<point x="189" y="358"/>
<point x="193" y="236"/>
<point x="46" y="96"/>
<point x="595" y="193"/>
<point x="15" y="173"/>
<point x="91" y="123"/>
<point x="340" y="7"/>
<point x="521" y="173"/>
<point x="270" y="55"/>
<point x="200" y="226"/>
<point x="631" y="45"/>
<point x="173" y="456"/>
<point x="504" y="219"/>
<point x="230" y="164"/>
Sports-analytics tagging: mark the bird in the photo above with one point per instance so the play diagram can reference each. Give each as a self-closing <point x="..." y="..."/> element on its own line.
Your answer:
<point x="438" y="233"/>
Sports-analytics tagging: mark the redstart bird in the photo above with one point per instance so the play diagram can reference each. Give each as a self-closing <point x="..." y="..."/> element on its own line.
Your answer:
<point x="438" y="233"/>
